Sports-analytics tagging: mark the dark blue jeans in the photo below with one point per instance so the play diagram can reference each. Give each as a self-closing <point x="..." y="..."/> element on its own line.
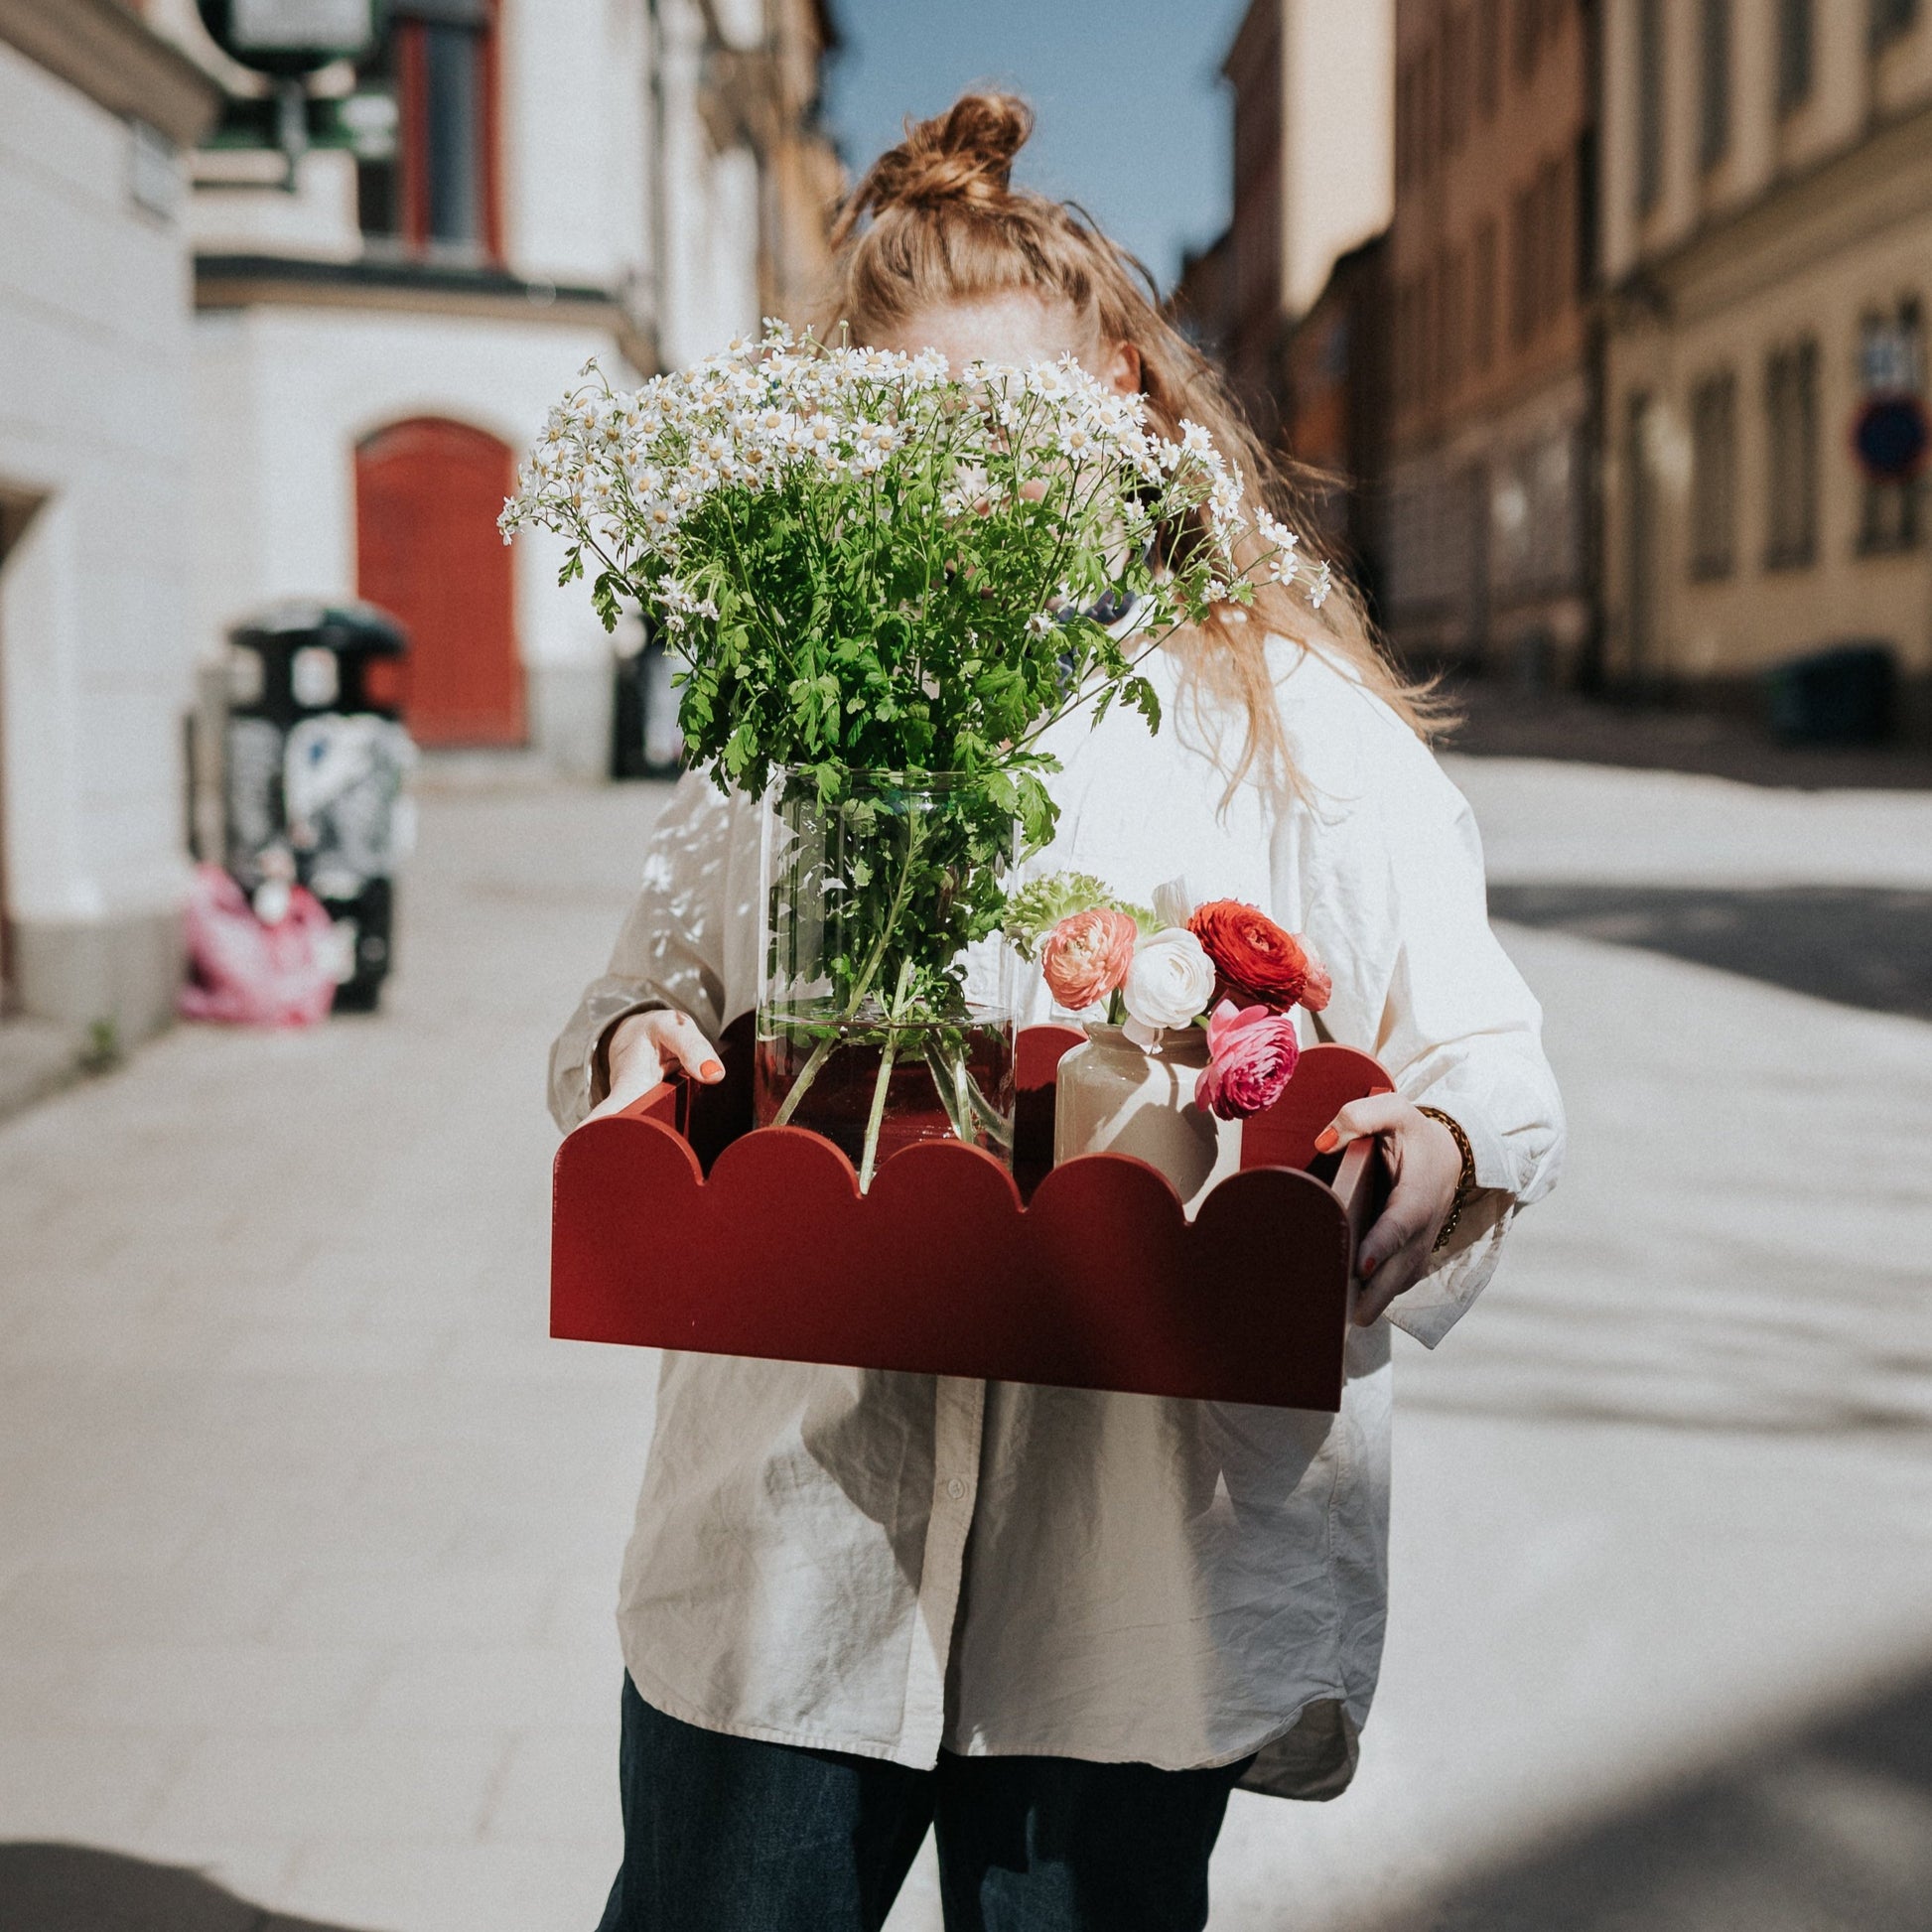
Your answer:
<point x="729" y="1835"/>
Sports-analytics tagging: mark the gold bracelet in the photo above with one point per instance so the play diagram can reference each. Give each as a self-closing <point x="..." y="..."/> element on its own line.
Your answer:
<point x="1466" y="1181"/>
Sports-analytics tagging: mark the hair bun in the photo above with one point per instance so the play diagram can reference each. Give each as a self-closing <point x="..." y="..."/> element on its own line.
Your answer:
<point x="963" y="155"/>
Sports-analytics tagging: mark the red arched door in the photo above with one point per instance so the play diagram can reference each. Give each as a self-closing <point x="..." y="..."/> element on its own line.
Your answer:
<point x="427" y="497"/>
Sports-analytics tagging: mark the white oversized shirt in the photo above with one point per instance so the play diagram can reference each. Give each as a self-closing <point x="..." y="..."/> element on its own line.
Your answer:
<point x="892" y="1565"/>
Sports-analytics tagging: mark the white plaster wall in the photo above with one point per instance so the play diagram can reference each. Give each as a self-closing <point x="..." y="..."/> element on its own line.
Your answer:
<point x="1339" y="122"/>
<point x="317" y="221"/>
<point x="95" y="348"/>
<point x="710" y="289"/>
<point x="575" y="79"/>
<point x="284" y="395"/>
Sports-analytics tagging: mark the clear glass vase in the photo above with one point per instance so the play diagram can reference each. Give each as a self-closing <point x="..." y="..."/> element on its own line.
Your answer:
<point x="874" y="1026"/>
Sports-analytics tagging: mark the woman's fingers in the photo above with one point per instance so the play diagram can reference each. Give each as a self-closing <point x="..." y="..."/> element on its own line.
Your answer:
<point x="1425" y="1165"/>
<point x="1379" y="1113"/>
<point x="647" y="1047"/>
<point x="680" y="1041"/>
<point x="644" y="1048"/>
<point x="1395" y="1251"/>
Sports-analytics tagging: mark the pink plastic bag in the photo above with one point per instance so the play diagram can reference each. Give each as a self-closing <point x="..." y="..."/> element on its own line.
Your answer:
<point x="251" y="974"/>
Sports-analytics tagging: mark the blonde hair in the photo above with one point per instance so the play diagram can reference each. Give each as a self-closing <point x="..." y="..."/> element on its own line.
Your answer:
<point x="947" y="225"/>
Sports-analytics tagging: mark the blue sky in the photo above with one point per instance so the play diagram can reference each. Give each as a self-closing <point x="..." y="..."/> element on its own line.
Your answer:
<point x="1133" y="117"/>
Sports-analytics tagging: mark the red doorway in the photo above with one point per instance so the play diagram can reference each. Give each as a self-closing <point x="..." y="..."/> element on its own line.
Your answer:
<point x="428" y="492"/>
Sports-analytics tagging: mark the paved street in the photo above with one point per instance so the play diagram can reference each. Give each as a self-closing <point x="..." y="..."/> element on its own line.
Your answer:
<point x="308" y="1536"/>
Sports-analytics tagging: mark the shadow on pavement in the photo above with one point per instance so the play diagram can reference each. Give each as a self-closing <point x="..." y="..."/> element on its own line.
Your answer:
<point x="78" y="1889"/>
<point x="1502" y="720"/>
<point x="1826" y="1830"/>
<point x="1860" y="946"/>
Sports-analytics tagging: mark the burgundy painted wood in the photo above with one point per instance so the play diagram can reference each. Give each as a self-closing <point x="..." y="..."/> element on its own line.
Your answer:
<point x="1095" y="1280"/>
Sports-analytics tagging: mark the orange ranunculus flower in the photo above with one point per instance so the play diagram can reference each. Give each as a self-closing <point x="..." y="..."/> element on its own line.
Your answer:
<point x="1087" y="955"/>
<point x="1256" y="958"/>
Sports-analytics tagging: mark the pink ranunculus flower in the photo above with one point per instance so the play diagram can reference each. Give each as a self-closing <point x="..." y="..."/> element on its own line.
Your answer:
<point x="1087" y="955"/>
<point x="1251" y="1055"/>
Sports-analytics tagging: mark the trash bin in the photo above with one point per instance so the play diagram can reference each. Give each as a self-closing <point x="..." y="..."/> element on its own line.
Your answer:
<point x="1844" y="695"/>
<point x="317" y="760"/>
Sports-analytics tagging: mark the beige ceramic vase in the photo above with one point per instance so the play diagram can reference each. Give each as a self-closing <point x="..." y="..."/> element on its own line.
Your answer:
<point x="1112" y="1098"/>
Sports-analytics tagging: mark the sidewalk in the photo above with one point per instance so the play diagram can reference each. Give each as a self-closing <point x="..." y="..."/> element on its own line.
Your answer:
<point x="307" y="1531"/>
<point x="309" y="1536"/>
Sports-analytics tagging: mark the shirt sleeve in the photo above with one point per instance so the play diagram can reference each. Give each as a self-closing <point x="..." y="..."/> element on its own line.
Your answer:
<point x="688" y="943"/>
<point x="1395" y="904"/>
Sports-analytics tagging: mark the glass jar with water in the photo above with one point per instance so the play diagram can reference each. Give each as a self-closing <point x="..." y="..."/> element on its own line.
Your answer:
<point x="885" y="1012"/>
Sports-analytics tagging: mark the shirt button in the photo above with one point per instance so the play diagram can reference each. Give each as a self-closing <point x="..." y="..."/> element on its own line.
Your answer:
<point x="955" y="1489"/>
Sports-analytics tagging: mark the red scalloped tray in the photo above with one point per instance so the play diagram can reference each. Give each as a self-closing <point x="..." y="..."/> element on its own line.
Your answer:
<point x="675" y="1225"/>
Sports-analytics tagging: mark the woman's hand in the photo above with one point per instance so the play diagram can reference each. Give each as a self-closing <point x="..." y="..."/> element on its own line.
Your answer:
<point x="643" y="1046"/>
<point x="1425" y="1165"/>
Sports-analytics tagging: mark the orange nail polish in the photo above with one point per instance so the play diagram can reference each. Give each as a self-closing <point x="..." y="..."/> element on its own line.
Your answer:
<point x="712" y="1070"/>
<point x="1327" y="1141"/>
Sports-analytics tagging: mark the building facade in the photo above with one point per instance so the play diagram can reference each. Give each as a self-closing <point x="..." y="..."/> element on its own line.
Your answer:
<point x="1335" y="412"/>
<point x="261" y="345"/>
<point x="1766" y="212"/>
<point x="97" y="640"/>
<point x="498" y="192"/>
<point x="1492" y="251"/>
<point x="1312" y="117"/>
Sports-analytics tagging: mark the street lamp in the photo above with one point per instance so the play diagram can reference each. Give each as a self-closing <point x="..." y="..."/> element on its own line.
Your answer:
<point x="288" y="40"/>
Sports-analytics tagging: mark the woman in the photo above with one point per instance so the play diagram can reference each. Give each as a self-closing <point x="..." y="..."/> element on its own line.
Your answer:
<point x="1060" y="1625"/>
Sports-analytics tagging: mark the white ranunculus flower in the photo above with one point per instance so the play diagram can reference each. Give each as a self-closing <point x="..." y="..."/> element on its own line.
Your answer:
<point x="1169" y="983"/>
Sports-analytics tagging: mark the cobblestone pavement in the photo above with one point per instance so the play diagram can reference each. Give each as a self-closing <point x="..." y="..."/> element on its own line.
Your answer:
<point x="309" y="1536"/>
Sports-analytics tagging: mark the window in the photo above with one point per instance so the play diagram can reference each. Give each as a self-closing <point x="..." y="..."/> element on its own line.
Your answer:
<point x="1890" y="18"/>
<point x="1891" y="365"/>
<point x="1455" y="79"/>
<point x="1650" y="104"/>
<point x="1529" y="37"/>
<point x="1640" y="537"/>
<point x="1429" y="107"/>
<point x="1791" y="423"/>
<point x="1404" y="383"/>
<point x="1583" y="253"/>
<point x="1551" y="241"/>
<point x="1428" y="334"/>
<point x="1542" y="251"/>
<point x="1482" y="304"/>
<point x="1522" y="265"/>
<point x="1404" y="115"/>
<point x="1794" y="53"/>
<point x="436" y="191"/>
<point x="1489" y="54"/>
<point x="1713" y="476"/>
<point x="1452" y="276"/>
<point x="1713" y="119"/>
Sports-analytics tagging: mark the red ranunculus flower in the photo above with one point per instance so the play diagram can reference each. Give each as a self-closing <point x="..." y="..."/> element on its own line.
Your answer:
<point x="1256" y="958"/>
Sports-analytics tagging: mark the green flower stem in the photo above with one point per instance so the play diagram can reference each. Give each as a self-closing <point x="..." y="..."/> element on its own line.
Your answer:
<point x="806" y="1076"/>
<point x="861" y="985"/>
<point x="874" y="1120"/>
<point x="948" y="1076"/>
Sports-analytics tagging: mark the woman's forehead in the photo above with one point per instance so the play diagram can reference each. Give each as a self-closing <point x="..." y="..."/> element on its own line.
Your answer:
<point x="1012" y="326"/>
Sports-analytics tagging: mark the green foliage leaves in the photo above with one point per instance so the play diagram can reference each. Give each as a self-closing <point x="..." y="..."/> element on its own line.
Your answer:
<point x="863" y="565"/>
<point x="1037" y="907"/>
